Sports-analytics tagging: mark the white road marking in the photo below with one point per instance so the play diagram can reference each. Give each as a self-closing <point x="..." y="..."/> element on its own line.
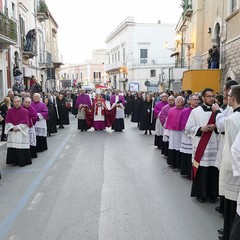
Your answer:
<point x="14" y="237"/>
<point x="62" y="155"/>
<point x="48" y="181"/>
<point x="55" y="167"/>
<point x="35" y="202"/>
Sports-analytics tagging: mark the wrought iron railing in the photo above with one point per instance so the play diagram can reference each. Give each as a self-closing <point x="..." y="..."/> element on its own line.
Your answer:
<point x="8" y="27"/>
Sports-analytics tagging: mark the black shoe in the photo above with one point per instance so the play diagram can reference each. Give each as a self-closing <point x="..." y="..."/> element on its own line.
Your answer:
<point x="220" y="231"/>
<point x="150" y="133"/>
<point x="201" y="200"/>
<point x="212" y="200"/>
<point x="221" y="237"/>
<point x="145" y="132"/>
<point x="218" y="209"/>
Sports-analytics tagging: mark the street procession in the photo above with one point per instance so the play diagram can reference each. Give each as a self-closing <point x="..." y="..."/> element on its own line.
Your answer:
<point x="140" y="140"/>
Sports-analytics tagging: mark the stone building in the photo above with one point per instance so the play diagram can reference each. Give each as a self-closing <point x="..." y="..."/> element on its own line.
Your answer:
<point x="24" y="29"/>
<point x="205" y="23"/>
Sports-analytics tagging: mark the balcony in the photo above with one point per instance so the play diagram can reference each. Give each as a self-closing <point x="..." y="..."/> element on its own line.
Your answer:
<point x="45" y="60"/>
<point x="8" y="32"/>
<point x="32" y="52"/>
<point x="42" y="12"/>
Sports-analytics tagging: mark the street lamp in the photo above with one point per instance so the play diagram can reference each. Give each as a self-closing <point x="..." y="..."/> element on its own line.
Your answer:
<point x="179" y="40"/>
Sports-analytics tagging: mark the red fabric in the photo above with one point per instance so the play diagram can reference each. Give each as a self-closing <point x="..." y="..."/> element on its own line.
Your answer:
<point x="110" y="115"/>
<point x="202" y="146"/>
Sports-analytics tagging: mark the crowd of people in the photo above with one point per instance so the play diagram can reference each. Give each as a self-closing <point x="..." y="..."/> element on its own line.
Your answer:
<point x="197" y="133"/>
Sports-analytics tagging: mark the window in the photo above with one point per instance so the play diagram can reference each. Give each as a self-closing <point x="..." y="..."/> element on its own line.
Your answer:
<point x="143" y="56"/>
<point x="77" y="75"/>
<point x="118" y="56"/>
<point x="13" y="10"/>
<point x="124" y="54"/>
<point x="152" y="73"/>
<point x="96" y="75"/>
<point x="233" y="5"/>
<point x="80" y="75"/>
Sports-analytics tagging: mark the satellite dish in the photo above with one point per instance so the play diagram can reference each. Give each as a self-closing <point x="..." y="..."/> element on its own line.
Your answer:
<point x="147" y="83"/>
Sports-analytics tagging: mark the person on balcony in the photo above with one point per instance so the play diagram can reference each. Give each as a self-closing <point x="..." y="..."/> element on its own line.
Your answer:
<point x="30" y="37"/>
<point x="215" y="55"/>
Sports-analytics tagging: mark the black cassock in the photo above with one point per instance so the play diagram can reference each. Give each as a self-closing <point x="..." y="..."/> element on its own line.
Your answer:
<point x="136" y="112"/>
<point x="52" y="119"/>
<point x="146" y="121"/>
<point x="63" y="116"/>
<point x="129" y="105"/>
<point x="74" y="109"/>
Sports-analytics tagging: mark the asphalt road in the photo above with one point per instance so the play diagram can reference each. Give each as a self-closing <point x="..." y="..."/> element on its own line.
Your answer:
<point x="101" y="186"/>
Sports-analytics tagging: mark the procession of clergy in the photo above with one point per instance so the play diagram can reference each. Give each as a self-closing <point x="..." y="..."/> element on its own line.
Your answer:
<point x="197" y="136"/>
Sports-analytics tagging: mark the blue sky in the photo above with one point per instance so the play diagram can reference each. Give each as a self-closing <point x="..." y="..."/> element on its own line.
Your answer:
<point x="84" y="25"/>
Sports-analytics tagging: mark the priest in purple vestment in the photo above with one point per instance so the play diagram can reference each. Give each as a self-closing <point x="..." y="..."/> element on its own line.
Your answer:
<point x="83" y="102"/>
<point x="186" y="141"/>
<point x="17" y="127"/>
<point x="41" y="124"/>
<point x="163" y="117"/>
<point x="32" y="133"/>
<point x="158" y="127"/>
<point x="174" y="132"/>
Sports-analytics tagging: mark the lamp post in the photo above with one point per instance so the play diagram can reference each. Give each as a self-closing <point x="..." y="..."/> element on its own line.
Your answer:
<point x="179" y="40"/>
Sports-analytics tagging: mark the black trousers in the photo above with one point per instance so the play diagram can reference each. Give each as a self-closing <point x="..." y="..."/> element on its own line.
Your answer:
<point x="229" y="214"/>
<point x="235" y="233"/>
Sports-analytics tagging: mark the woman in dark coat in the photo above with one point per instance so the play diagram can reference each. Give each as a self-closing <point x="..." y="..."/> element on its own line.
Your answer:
<point x="62" y="108"/>
<point x="52" y="117"/>
<point x="136" y="112"/>
<point x="129" y="104"/>
<point x="146" y="122"/>
<point x="4" y="106"/>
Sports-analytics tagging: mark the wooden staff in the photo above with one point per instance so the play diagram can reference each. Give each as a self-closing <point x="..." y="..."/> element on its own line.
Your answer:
<point x="152" y="110"/>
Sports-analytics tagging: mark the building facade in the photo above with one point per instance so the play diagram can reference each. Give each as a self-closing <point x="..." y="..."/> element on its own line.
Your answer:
<point x="27" y="32"/>
<point x="205" y="23"/>
<point x="136" y="54"/>
<point x="89" y="74"/>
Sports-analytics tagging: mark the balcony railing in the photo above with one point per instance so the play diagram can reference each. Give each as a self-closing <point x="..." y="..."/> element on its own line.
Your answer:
<point x="42" y="12"/>
<point x="8" y="30"/>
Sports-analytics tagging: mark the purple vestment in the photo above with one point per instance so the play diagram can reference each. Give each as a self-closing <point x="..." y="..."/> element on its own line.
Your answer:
<point x="120" y="97"/>
<point x="18" y="116"/>
<point x="164" y="113"/>
<point x="173" y="119"/>
<point x="33" y="114"/>
<point x="184" y="117"/>
<point x="83" y="99"/>
<point x="158" y="107"/>
<point x="40" y="108"/>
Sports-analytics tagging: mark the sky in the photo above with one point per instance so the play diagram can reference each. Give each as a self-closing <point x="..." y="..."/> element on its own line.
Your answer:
<point x="85" y="25"/>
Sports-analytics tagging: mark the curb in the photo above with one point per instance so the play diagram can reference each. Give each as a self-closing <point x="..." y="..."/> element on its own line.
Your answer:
<point x="3" y="145"/>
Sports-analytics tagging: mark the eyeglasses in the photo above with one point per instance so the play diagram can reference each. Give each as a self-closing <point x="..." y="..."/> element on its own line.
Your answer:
<point x="194" y="99"/>
<point x="210" y="96"/>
